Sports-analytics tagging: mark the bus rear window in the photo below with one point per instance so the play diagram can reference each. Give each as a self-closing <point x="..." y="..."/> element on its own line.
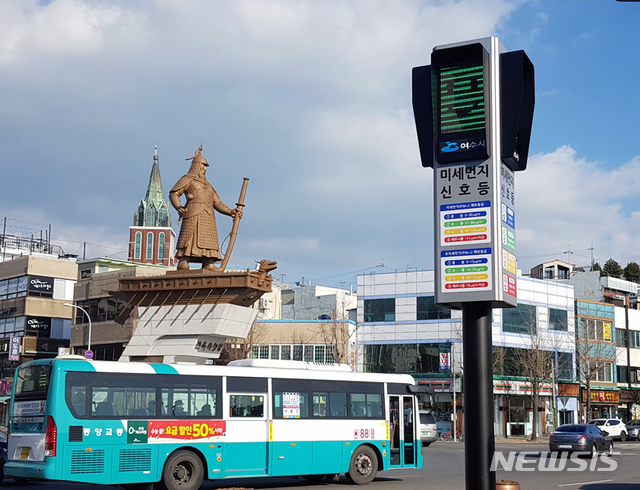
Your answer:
<point x="33" y="381"/>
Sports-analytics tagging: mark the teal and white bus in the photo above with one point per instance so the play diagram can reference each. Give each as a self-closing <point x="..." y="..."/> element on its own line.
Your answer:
<point x="135" y="424"/>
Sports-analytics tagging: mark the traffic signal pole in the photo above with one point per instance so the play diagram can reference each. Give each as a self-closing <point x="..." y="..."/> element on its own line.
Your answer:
<point x="473" y="108"/>
<point x="478" y="396"/>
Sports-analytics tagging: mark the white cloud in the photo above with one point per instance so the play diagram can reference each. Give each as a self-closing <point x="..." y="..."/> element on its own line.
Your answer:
<point x="565" y="201"/>
<point x="311" y="100"/>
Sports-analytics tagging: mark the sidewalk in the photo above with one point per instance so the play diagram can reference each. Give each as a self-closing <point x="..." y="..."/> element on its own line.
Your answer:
<point x="522" y="439"/>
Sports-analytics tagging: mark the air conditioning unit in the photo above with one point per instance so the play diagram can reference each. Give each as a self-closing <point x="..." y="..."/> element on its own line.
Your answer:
<point x="263" y="304"/>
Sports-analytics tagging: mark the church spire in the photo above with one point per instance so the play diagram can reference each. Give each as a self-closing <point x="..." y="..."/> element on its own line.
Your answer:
<point x="153" y="210"/>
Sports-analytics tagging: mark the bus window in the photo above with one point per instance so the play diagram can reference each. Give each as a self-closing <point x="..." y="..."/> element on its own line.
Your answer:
<point x="367" y="405"/>
<point x="190" y="402"/>
<point x="104" y="399"/>
<point x="320" y="404"/>
<point x="79" y="400"/>
<point x="33" y="381"/>
<point x="338" y="404"/>
<point x="246" y="405"/>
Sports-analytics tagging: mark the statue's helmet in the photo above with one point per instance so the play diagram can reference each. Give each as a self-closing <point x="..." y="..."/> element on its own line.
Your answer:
<point x="198" y="158"/>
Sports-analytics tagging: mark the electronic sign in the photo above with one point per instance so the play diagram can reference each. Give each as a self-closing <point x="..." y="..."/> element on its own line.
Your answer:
<point x="473" y="108"/>
<point x="461" y="127"/>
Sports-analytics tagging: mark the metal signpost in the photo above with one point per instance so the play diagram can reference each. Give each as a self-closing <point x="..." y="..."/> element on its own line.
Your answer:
<point x="473" y="109"/>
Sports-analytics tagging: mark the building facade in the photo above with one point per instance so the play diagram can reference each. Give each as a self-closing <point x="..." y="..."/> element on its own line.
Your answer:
<point x="400" y="328"/>
<point x="93" y="293"/>
<point x="35" y="321"/>
<point x="151" y="238"/>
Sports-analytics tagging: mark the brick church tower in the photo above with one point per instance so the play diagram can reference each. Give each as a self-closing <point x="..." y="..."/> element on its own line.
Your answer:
<point x="151" y="238"/>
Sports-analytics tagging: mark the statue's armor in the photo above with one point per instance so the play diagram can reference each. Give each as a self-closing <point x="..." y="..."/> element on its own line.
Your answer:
<point x="198" y="233"/>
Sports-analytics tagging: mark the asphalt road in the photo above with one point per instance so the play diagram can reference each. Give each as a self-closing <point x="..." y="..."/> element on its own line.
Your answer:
<point x="444" y="469"/>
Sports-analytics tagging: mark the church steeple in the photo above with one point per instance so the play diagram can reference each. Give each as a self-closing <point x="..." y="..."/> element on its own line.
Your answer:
<point x="151" y="238"/>
<point x="153" y="210"/>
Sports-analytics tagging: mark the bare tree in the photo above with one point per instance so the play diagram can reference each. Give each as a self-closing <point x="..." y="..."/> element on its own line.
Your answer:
<point x="535" y="363"/>
<point x="334" y="333"/>
<point x="235" y="349"/>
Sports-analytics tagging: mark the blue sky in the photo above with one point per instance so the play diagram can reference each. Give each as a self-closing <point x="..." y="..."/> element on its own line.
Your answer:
<point x="312" y="101"/>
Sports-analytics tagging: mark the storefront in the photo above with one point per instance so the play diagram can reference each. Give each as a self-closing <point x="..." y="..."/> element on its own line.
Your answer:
<point x="513" y="407"/>
<point x="567" y="404"/>
<point x="629" y="406"/>
<point x="604" y="404"/>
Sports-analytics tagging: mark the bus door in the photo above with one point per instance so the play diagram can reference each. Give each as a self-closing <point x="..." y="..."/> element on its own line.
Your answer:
<point x="247" y="436"/>
<point x="402" y="432"/>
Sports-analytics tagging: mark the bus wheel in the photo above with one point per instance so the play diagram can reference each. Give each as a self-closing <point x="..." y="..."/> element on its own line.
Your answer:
<point x="364" y="465"/>
<point x="183" y="471"/>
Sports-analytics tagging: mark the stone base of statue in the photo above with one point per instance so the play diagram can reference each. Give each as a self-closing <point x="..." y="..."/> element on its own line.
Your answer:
<point x="186" y="316"/>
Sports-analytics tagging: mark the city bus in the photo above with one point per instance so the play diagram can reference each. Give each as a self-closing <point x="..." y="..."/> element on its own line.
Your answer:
<point x="134" y="424"/>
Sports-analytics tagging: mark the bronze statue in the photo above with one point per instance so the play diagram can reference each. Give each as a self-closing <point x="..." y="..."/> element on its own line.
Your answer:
<point x="198" y="239"/>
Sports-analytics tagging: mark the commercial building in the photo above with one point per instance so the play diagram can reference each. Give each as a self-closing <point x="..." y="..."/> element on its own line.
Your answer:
<point x="93" y="294"/>
<point x="400" y="328"/>
<point x="34" y="320"/>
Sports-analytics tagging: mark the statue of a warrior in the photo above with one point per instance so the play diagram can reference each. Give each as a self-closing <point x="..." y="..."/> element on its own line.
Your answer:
<point x="198" y="239"/>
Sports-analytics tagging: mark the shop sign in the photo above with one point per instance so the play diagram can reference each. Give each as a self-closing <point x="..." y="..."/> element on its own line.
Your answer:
<point x="607" y="331"/>
<point x="14" y="349"/>
<point x="40" y="326"/>
<point x="41" y="284"/>
<point x="444" y="361"/>
<point x="602" y="396"/>
<point x="506" y="387"/>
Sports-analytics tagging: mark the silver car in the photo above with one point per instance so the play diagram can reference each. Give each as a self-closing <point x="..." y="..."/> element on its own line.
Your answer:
<point x="634" y="429"/>
<point x="428" y="427"/>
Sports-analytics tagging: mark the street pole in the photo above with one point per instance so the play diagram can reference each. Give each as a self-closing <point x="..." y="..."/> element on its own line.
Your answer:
<point x="88" y="318"/>
<point x="478" y="396"/>
<point x="454" y="412"/>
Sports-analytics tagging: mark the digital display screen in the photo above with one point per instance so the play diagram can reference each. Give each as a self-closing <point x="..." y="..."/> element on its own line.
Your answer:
<point x="460" y="90"/>
<point x="462" y="99"/>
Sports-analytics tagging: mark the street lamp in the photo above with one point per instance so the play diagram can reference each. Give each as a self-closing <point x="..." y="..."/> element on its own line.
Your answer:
<point x="88" y="318"/>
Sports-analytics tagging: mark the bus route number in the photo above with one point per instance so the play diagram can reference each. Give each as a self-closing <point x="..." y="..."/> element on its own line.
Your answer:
<point x="364" y="433"/>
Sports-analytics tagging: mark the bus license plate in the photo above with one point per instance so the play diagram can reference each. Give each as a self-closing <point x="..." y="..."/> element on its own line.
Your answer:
<point x="24" y="454"/>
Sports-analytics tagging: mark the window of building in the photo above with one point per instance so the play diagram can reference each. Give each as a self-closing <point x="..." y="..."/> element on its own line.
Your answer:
<point x="626" y="374"/>
<point x="404" y="358"/>
<point x="521" y="319"/>
<point x="138" y="245"/>
<point x="149" y="245"/>
<point x="565" y="366"/>
<point x="275" y="352"/>
<point x="600" y="370"/>
<point x="161" y="246"/>
<point x="623" y="374"/>
<point x="285" y="352"/>
<point x="100" y="310"/>
<point x="298" y="352"/>
<point x="622" y="339"/>
<point x="558" y="319"/>
<point x="380" y="310"/>
<point x="592" y="329"/>
<point x="428" y="309"/>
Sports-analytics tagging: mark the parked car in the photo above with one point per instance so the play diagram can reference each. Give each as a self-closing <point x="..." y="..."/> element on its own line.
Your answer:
<point x="614" y="427"/>
<point x="428" y="427"/>
<point x="584" y="438"/>
<point x="633" y="429"/>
